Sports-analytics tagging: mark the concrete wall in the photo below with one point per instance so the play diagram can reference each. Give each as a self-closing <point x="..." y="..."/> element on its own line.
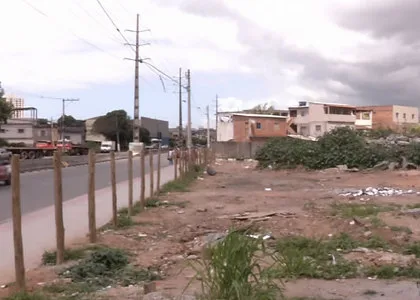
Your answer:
<point x="17" y="132"/>
<point x="269" y="127"/>
<point x="224" y="127"/>
<point x="405" y="114"/>
<point x="237" y="150"/>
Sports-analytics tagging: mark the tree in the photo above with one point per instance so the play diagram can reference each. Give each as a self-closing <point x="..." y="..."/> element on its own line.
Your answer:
<point x="263" y="109"/>
<point x="118" y="123"/>
<point x="69" y="121"/>
<point x="6" y="108"/>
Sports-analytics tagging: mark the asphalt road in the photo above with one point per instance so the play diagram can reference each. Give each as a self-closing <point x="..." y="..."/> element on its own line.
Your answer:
<point x="37" y="188"/>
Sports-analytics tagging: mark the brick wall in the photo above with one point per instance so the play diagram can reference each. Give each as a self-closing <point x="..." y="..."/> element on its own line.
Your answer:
<point x="270" y="127"/>
<point x="382" y="116"/>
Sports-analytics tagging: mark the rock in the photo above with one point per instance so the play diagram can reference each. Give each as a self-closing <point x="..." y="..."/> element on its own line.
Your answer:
<point x="411" y="166"/>
<point x="367" y="233"/>
<point x="211" y="171"/>
<point x="192" y="257"/>
<point x="393" y="165"/>
<point x="415" y="212"/>
<point x="149" y="287"/>
<point x="201" y="209"/>
<point x="403" y="143"/>
<point x="342" y="167"/>
<point x="157" y="296"/>
<point x="382" y="165"/>
<point x="353" y="170"/>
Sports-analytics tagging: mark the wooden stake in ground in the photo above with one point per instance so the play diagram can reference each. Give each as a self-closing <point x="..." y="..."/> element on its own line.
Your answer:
<point x="130" y="183"/>
<point x="143" y="179"/>
<point x="114" y="190"/>
<point x="158" y="172"/>
<point x="175" y="160"/>
<point x="152" y="173"/>
<point x="91" y="197"/>
<point x="17" y="225"/>
<point x="58" y="193"/>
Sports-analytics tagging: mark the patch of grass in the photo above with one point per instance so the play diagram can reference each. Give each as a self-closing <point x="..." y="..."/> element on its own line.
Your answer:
<point x="376" y="242"/>
<point x="155" y="202"/>
<point x="181" y="184"/>
<point x="70" y="289"/>
<point x="412" y="206"/>
<point x="350" y="210"/>
<point x="392" y="271"/>
<point x="27" y="296"/>
<point x="234" y="269"/>
<point x="370" y="292"/>
<point x="377" y="222"/>
<point x="303" y="257"/>
<point x="413" y="248"/>
<point x="49" y="257"/>
<point x="136" y="209"/>
<point x="401" y="229"/>
<point x="104" y="267"/>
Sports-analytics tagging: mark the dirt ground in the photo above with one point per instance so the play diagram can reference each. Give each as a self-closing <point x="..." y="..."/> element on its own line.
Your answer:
<point x="167" y="237"/>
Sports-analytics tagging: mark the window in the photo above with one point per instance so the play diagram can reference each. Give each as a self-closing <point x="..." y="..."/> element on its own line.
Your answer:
<point x="67" y="137"/>
<point x="259" y="125"/>
<point x="412" y="116"/>
<point x="276" y="126"/>
<point x="2" y="130"/>
<point x="397" y="115"/>
<point x="365" y="116"/>
<point x="404" y="115"/>
<point x="43" y="133"/>
<point x="336" y="110"/>
<point x="293" y="113"/>
<point x="318" y="127"/>
<point x="302" y="113"/>
<point x="20" y="130"/>
<point x="326" y="110"/>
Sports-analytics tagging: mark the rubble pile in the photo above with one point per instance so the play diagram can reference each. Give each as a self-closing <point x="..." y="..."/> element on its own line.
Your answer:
<point x="379" y="191"/>
<point x="394" y="139"/>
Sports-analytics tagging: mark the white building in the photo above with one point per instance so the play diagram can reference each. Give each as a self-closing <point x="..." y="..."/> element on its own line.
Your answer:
<point x="17" y="103"/>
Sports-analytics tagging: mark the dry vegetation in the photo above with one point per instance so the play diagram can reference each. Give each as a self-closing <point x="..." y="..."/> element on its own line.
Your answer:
<point x="313" y="243"/>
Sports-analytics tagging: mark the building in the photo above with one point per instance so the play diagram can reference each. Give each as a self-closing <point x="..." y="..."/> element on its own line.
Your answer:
<point x="364" y="118"/>
<point x="18" y="103"/>
<point x="316" y="118"/>
<point x="241" y="127"/>
<point x="391" y="116"/>
<point x="158" y="129"/>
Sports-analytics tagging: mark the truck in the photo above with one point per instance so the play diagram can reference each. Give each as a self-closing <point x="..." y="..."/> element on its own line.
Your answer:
<point x="47" y="148"/>
<point x="5" y="168"/>
<point x="107" y="146"/>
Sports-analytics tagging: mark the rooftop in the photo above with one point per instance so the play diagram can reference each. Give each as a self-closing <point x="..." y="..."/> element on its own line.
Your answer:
<point x="259" y="116"/>
<point x="324" y="103"/>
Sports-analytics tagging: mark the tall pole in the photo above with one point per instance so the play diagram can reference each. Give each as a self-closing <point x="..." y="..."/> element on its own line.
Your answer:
<point x="136" y="125"/>
<point x="63" y="115"/>
<point x="208" y="127"/>
<point x="217" y="112"/>
<point x="180" y="109"/>
<point x="189" y="137"/>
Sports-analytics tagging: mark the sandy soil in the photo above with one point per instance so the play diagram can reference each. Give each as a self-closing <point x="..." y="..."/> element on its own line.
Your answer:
<point x="168" y="237"/>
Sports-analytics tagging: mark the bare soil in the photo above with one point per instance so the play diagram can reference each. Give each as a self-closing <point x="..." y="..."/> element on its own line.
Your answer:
<point x="167" y="238"/>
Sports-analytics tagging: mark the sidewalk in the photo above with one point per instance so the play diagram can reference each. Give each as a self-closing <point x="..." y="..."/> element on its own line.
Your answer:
<point x="39" y="227"/>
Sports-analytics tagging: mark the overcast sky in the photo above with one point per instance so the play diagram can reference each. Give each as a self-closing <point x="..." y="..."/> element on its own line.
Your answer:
<point x="248" y="52"/>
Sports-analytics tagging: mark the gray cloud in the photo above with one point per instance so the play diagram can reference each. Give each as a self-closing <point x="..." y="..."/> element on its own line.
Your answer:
<point x="391" y="80"/>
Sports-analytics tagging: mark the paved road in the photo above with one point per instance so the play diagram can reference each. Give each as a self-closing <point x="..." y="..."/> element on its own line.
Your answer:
<point x="37" y="188"/>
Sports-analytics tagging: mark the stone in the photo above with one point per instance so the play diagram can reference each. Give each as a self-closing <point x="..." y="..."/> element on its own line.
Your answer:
<point x="342" y="167"/>
<point x="367" y="233"/>
<point x="393" y="165"/>
<point x="415" y="212"/>
<point x="201" y="209"/>
<point x="149" y="287"/>
<point x="211" y="171"/>
<point x="382" y="165"/>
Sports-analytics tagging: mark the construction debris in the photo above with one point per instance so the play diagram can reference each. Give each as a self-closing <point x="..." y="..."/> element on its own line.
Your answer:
<point x="260" y="216"/>
<point x="379" y="191"/>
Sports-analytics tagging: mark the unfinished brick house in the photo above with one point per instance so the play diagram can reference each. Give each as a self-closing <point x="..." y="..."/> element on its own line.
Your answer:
<point x="391" y="116"/>
<point x="316" y="118"/>
<point x="241" y="127"/>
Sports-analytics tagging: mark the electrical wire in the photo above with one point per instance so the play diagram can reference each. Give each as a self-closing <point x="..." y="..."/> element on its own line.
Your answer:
<point x="115" y="25"/>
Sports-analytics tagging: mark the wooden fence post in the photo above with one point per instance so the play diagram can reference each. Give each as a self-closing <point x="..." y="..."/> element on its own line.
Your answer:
<point x="158" y="172"/>
<point x="59" y="223"/>
<point x="143" y="179"/>
<point x="130" y="183"/>
<point x="17" y="225"/>
<point x="151" y="170"/>
<point x="175" y="160"/>
<point x="91" y="197"/>
<point x="114" y="190"/>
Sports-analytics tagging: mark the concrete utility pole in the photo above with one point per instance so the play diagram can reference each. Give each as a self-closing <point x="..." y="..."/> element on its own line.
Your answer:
<point x="208" y="127"/>
<point x="189" y="135"/>
<point x="136" y="125"/>
<point x="64" y="115"/>
<point x="137" y="60"/>
<point x="180" y="138"/>
<point x="217" y="112"/>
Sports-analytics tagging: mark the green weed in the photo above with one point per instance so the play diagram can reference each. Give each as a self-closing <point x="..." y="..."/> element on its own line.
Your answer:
<point x="27" y="296"/>
<point x="413" y="248"/>
<point x="349" y="210"/>
<point x="49" y="257"/>
<point x="401" y="229"/>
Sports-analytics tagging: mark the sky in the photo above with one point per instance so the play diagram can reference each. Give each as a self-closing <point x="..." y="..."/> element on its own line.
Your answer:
<point x="245" y="51"/>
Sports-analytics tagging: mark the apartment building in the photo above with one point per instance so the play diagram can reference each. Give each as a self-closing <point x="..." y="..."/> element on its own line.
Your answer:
<point x="242" y="127"/>
<point x="317" y="118"/>
<point x="391" y="116"/>
<point x="18" y="103"/>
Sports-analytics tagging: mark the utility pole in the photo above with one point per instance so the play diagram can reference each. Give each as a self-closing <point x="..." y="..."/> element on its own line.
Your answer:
<point x="137" y="60"/>
<point x="180" y="133"/>
<point x="63" y="117"/>
<point x="217" y="112"/>
<point x="208" y="127"/>
<point x="189" y="136"/>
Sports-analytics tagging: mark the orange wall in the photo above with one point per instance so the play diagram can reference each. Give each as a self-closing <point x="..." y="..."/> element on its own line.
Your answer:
<point x="268" y="128"/>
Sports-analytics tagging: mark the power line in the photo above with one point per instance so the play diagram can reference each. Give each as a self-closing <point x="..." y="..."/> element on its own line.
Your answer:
<point x="77" y="36"/>
<point x="115" y="25"/>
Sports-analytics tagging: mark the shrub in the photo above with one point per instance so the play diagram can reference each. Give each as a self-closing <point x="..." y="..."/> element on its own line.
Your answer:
<point x="340" y="146"/>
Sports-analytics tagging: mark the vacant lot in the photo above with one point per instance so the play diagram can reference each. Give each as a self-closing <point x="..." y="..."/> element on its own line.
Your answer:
<point x="334" y="241"/>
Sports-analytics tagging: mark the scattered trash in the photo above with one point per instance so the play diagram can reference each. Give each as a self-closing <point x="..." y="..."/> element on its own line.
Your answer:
<point x="268" y="189"/>
<point x="380" y="191"/>
<point x="201" y="209"/>
<point x="264" y="237"/>
<point x="3" y="286"/>
<point x="330" y="235"/>
<point x="200" y="178"/>
<point x="180" y="212"/>
<point x="334" y="262"/>
<point x="352" y="222"/>
<point x="260" y="216"/>
<point x="142" y="235"/>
